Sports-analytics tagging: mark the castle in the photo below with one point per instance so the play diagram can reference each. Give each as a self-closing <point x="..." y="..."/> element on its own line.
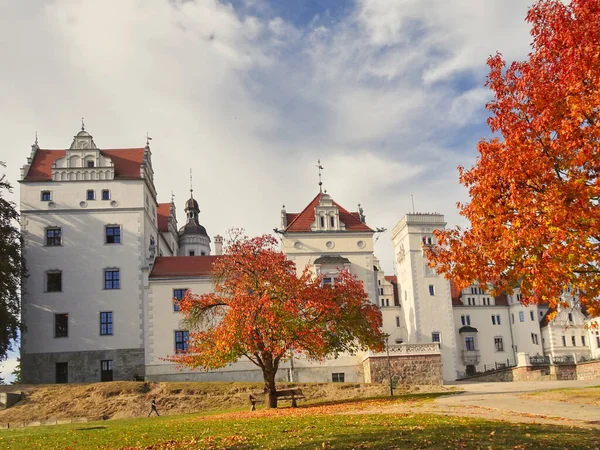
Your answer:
<point x="106" y="261"/>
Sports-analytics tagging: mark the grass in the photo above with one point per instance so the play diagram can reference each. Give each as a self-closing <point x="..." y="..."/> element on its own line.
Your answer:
<point x="588" y="396"/>
<point x="333" y="425"/>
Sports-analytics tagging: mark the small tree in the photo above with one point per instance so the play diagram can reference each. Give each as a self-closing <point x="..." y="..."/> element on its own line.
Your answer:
<point x="16" y="373"/>
<point x="12" y="269"/>
<point x="262" y="310"/>
<point x="535" y="192"/>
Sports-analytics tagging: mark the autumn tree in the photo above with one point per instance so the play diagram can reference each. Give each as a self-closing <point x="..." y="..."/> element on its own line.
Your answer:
<point x="534" y="191"/>
<point x="12" y="269"/>
<point x="261" y="309"/>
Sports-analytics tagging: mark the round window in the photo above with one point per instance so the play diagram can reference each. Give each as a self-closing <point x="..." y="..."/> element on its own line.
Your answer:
<point x="361" y="244"/>
<point x="329" y="244"/>
<point x="298" y="244"/>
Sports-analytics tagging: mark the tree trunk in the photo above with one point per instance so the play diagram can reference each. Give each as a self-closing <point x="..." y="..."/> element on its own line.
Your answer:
<point x="270" y="389"/>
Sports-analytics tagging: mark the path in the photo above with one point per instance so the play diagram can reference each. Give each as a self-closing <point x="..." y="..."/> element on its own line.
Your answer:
<point x="506" y="401"/>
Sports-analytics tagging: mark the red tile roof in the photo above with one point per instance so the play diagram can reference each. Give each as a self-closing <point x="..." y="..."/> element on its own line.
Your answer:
<point x="182" y="266"/>
<point x="391" y="278"/>
<point x="455" y="293"/>
<point x="301" y="222"/>
<point x="127" y="163"/>
<point x="162" y="213"/>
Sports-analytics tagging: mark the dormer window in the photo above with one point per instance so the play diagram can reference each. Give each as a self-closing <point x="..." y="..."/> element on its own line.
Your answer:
<point x="322" y="219"/>
<point x="332" y="221"/>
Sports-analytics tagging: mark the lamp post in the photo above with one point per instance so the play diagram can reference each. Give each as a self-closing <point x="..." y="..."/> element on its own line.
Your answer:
<point x="387" y="350"/>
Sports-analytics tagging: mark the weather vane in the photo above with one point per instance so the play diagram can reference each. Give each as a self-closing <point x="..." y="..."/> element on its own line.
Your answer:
<point x="320" y="167"/>
<point x="191" y="188"/>
<point x="148" y="138"/>
<point x="82" y="125"/>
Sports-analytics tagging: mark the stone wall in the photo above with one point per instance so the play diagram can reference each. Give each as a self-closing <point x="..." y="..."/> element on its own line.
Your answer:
<point x="84" y="367"/>
<point x="564" y="372"/>
<point x="588" y="370"/>
<point x="406" y="369"/>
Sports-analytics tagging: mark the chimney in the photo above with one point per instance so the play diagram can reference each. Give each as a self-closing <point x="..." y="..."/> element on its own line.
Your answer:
<point x="218" y="245"/>
<point x="284" y="223"/>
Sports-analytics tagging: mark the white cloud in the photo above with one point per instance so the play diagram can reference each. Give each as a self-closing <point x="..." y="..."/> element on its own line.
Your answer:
<point x="251" y="102"/>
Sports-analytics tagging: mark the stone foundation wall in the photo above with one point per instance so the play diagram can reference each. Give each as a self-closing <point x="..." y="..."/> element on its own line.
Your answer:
<point x="406" y="369"/>
<point x="588" y="370"/>
<point x="564" y="372"/>
<point x="83" y="367"/>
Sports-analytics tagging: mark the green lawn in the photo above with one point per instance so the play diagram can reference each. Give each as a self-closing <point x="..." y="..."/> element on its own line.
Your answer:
<point x="310" y="427"/>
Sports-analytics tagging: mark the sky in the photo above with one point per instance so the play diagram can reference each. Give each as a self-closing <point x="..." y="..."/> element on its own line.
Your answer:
<point x="249" y="94"/>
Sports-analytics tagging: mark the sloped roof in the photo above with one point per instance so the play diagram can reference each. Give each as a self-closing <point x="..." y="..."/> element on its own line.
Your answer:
<point x="162" y="214"/>
<point x="392" y="279"/>
<point x="467" y="329"/>
<point x="182" y="266"/>
<point x="456" y="293"/>
<point x="301" y="222"/>
<point x="127" y="163"/>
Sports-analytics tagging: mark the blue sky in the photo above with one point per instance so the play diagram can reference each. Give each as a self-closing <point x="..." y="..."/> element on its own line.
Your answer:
<point x="250" y="93"/>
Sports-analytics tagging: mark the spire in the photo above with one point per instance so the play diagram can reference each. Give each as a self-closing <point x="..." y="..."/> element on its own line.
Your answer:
<point x="36" y="139"/>
<point x="191" y="186"/>
<point x="320" y="167"/>
<point x="82" y="125"/>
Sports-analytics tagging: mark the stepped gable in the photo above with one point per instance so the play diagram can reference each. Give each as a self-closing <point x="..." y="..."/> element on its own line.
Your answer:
<point x="182" y="266"/>
<point x="127" y="161"/>
<point x="301" y="222"/>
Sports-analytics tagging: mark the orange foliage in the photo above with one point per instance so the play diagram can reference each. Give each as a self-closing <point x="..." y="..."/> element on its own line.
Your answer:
<point x="263" y="310"/>
<point x="535" y="191"/>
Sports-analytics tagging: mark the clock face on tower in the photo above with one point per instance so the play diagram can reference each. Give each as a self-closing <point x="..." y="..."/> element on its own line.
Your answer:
<point x="82" y="144"/>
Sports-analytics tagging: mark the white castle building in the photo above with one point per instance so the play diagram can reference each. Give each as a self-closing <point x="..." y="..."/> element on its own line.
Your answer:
<point x="106" y="260"/>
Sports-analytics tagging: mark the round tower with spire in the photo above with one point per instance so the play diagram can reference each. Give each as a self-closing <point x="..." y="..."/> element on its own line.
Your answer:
<point x="193" y="238"/>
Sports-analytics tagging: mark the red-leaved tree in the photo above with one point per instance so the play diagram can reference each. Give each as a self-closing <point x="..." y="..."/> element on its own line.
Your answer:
<point x="261" y="309"/>
<point x="535" y="191"/>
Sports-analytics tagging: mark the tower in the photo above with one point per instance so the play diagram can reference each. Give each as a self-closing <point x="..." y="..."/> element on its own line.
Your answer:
<point x="193" y="238"/>
<point x="424" y="294"/>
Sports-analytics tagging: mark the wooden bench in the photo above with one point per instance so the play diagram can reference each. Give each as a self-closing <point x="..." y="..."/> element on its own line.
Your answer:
<point x="284" y="394"/>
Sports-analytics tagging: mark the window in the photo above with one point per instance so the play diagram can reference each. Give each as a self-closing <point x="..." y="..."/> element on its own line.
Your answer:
<point x="379" y="282"/>
<point x="322" y="218"/>
<point x="61" y="325"/>
<point x="90" y="195"/>
<point x="497" y="319"/>
<point x="112" y="279"/>
<point x="532" y="315"/>
<point x="398" y="321"/>
<point x="598" y="341"/>
<point x="431" y="289"/>
<point x="113" y="234"/>
<point x="62" y="372"/>
<point x="535" y="338"/>
<point x="105" y="194"/>
<point x="570" y="317"/>
<point x="329" y="280"/>
<point x="380" y="291"/>
<point x="583" y="340"/>
<point x="181" y="341"/>
<point x="332" y="221"/>
<point x="573" y="341"/>
<point x="178" y="295"/>
<point x="90" y="164"/>
<point x="337" y="377"/>
<point x="470" y="344"/>
<point x="53" y="237"/>
<point x="564" y="341"/>
<point x="493" y="320"/>
<point x="521" y="316"/>
<point x="519" y="297"/>
<point x="106" y="323"/>
<point x="192" y="253"/>
<point x="46" y="196"/>
<point x="498" y="344"/>
<point x="465" y="320"/>
<point x="202" y="253"/>
<point x="106" y="370"/>
<point x="54" y="281"/>
<point x="435" y="336"/>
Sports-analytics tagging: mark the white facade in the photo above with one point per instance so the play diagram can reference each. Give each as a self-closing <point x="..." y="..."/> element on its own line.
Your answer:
<point x="424" y="295"/>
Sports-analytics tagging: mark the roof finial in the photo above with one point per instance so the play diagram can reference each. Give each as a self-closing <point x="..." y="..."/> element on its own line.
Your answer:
<point x="172" y="197"/>
<point x="191" y="188"/>
<point x="148" y="139"/>
<point x="82" y="125"/>
<point x="320" y="167"/>
<point x="36" y="139"/>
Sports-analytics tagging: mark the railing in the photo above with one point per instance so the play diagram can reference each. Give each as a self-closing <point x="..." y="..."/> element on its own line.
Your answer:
<point x="588" y="358"/>
<point x="565" y="359"/>
<point x="486" y="368"/>
<point x="410" y="349"/>
<point x="539" y="360"/>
